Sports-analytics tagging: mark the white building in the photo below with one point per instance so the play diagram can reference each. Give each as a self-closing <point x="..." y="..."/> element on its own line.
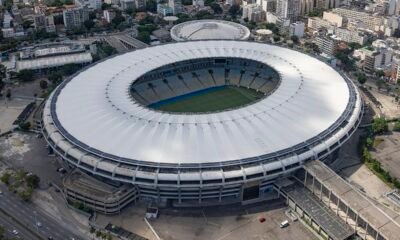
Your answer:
<point x="198" y="3"/>
<point x="288" y="9"/>
<point x="109" y="15"/>
<point x="176" y="6"/>
<point x="267" y="5"/>
<point x="296" y="29"/>
<point x="253" y="13"/>
<point x="333" y="18"/>
<point x="75" y="17"/>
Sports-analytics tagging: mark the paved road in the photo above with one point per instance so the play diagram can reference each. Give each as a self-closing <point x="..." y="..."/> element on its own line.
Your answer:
<point x="28" y="214"/>
<point x="9" y="224"/>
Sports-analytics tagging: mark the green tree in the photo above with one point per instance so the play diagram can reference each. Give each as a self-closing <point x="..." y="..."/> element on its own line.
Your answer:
<point x="55" y="77"/>
<point x="105" y="6"/>
<point x="379" y="125"/>
<point x="396" y="126"/>
<point x="43" y="84"/>
<point x="25" y="195"/>
<point x="151" y="6"/>
<point x="25" y="126"/>
<point x="361" y="78"/>
<point x="144" y="37"/>
<point x="32" y="181"/>
<point x="70" y="69"/>
<point x="295" y="39"/>
<point x="234" y="10"/>
<point x="89" y="24"/>
<point x="25" y="75"/>
<point x="216" y="8"/>
<point x="5" y="178"/>
<point x="380" y="73"/>
<point x="276" y="38"/>
<point x="354" y="45"/>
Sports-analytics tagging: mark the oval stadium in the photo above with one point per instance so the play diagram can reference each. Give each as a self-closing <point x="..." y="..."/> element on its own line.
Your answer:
<point x="209" y="29"/>
<point x="201" y="122"/>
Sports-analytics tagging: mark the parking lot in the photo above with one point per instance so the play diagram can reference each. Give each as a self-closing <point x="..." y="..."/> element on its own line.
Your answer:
<point x="233" y="222"/>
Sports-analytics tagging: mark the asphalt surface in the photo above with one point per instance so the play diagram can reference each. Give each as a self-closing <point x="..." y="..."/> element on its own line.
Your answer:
<point x="28" y="215"/>
<point x="10" y="225"/>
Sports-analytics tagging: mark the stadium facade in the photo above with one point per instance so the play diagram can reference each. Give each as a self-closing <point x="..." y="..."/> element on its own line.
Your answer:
<point x="100" y="120"/>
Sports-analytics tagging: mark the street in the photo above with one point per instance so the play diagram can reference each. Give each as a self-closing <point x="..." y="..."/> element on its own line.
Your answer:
<point x="9" y="224"/>
<point x="29" y="215"/>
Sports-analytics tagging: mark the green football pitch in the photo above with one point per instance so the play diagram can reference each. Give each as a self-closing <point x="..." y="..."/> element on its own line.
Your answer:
<point x="209" y="100"/>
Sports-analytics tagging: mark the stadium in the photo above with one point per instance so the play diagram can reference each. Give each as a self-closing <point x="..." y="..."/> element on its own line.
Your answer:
<point x="201" y="122"/>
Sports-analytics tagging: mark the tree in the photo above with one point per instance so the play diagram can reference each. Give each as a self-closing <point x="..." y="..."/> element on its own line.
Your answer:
<point x="380" y="73"/>
<point x="276" y="38"/>
<point x="25" y="195"/>
<point x="105" y="6"/>
<point x="8" y="93"/>
<point x="379" y="125"/>
<point x="151" y="6"/>
<point x="144" y="37"/>
<point x="396" y="126"/>
<point x="234" y="10"/>
<point x="354" y="45"/>
<point x="70" y="69"/>
<point x="361" y="78"/>
<point x="55" y="77"/>
<point x="216" y="8"/>
<point x="43" y="84"/>
<point x="32" y="181"/>
<point x="295" y="39"/>
<point x="89" y="24"/>
<point x="5" y="178"/>
<point x="25" y="75"/>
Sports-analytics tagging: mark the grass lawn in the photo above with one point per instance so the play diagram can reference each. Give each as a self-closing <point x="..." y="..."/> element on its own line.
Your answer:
<point x="209" y="100"/>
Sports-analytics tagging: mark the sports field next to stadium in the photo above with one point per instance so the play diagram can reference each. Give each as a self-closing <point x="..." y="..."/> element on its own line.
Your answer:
<point x="209" y="100"/>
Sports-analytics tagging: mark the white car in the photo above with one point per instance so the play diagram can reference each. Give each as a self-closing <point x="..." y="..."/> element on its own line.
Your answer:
<point x="15" y="232"/>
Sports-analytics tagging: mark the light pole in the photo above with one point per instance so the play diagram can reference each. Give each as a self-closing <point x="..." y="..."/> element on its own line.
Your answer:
<point x="36" y="222"/>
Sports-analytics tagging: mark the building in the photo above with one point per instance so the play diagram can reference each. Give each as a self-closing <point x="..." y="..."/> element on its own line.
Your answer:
<point x="253" y="13"/>
<point x="332" y="18"/>
<point x="349" y="36"/>
<point x="316" y="23"/>
<point x="42" y="57"/>
<point x="97" y="195"/>
<point x="327" y="44"/>
<point x="209" y="29"/>
<point x="198" y="3"/>
<point x="164" y="10"/>
<point x="112" y="2"/>
<point x="109" y="15"/>
<point x="91" y="4"/>
<point x="127" y="4"/>
<point x="296" y="29"/>
<point x="181" y="160"/>
<point x="140" y="4"/>
<point x="371" y="22"/>
<point x="288" y="9"/>
<point x="39" y="22"/>
<point x="175" y="5"/>
<point x="267" y="5"/>
<point x="75" y="17"/>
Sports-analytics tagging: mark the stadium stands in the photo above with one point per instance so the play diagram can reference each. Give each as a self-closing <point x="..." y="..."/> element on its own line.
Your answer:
<point x="186" y="77"/>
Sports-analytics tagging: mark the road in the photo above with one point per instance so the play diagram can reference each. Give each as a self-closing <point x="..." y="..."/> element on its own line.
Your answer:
<point x="28" y="215"/>
<point x="9" y="224"/>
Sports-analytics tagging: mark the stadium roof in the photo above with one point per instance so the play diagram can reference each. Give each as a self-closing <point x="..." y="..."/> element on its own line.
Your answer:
<point x="209" y="29"/>
<point x="95" y="108"/>
<point x="54" y="61"/>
